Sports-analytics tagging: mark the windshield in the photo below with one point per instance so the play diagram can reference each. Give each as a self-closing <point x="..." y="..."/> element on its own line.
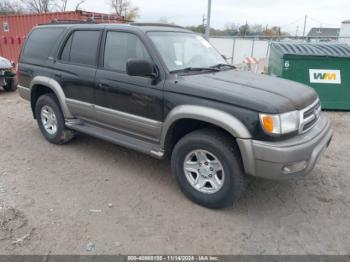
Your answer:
<point x="185" y="50"/>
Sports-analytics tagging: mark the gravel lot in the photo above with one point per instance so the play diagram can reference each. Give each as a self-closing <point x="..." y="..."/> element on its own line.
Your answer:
<point x="92" y="197"/>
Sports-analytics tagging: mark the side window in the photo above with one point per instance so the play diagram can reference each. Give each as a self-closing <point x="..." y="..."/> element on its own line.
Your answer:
<point x="81" y="48"/>
<point x="66" y="51"/>
<point x="120" y="47"/>
<point x="40" y="42"/>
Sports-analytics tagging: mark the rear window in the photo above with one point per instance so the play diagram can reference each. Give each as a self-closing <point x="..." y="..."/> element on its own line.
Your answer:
<point x="40" y="42"/>
<point x="81" y="48"/>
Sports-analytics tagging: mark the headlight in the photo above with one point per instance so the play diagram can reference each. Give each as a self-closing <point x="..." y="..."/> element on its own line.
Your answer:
<point x="280" y="124"/>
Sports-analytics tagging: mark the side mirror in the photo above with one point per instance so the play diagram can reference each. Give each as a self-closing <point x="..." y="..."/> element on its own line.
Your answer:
<point x="137" y="67"/>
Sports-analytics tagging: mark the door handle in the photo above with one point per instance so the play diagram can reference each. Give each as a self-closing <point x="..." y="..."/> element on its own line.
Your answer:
<point x="103" y="85"/>
<point x="58" y="75"/>
<point x="26" y="71"/>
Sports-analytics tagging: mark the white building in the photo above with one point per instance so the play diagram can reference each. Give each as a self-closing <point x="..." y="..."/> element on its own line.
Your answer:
<point x="345" y="32"/>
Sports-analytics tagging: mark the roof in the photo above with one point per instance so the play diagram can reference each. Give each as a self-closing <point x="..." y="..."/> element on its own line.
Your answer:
<point x="159" y="27"/>
<point x="330" y="50"/>
<point x="324" y="32"/>
<point x="142" y="26"/>
<point x="157" y="24"/>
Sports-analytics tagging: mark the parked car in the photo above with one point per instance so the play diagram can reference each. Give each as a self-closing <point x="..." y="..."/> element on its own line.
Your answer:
<point x="166" y="92"/>
<point x="7" y="75"/>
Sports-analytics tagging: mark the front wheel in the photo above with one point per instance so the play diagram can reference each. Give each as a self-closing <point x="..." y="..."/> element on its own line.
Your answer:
<point x="208" y="168"/>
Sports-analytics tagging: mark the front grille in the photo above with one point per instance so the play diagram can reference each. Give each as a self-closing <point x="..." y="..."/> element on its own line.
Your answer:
<point x="309" y="116"/>
<point x="310" y="111"/>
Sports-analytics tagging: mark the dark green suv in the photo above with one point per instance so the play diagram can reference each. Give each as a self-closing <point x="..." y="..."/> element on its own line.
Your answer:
<point x="166" y="92"/>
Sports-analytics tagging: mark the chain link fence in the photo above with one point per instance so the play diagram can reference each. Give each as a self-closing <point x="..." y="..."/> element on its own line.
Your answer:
<point x="238" y="49"/>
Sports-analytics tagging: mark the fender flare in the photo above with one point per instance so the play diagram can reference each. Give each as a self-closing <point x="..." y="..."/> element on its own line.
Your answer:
<point x="56" y="88"/>
<point x="206" y="114"/>
<point x="219" y="118"/>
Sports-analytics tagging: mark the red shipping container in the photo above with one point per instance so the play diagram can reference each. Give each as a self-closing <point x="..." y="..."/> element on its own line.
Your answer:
<point x="15" y="28"/>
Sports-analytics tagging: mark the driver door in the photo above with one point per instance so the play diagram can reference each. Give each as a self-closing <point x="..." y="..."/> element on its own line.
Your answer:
<point x="127" y="103"/>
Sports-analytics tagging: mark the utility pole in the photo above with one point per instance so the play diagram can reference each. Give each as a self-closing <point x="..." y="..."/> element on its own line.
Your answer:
<point x="207" y="29"/>
<point x="305" y="21"/>
<point x="297" y="31"/>
<point x="203" y="23"/>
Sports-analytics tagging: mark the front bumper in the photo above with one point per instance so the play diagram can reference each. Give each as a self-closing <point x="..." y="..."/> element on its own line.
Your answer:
<point x="6" y="75"/>
<point x="271" y="159"/>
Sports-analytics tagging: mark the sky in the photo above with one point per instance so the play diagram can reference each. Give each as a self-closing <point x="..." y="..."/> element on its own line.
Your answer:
<point x="287" y="14"/>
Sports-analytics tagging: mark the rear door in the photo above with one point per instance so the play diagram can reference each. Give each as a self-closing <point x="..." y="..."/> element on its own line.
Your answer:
<point x="35" y="54"/>
<point x="76" y="69"/>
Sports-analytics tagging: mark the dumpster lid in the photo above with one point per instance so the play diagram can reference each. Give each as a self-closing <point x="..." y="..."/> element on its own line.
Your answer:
<point x="334" y="50"/>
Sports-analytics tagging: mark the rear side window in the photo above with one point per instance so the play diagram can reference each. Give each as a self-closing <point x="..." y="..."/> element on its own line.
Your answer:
<point x="81" y="48"/>
<point x="40" y="43"/>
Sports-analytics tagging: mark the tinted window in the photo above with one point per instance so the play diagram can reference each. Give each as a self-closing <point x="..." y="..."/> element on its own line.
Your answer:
<point x="66" y="51"/>
<point x="120" y="47"/>
<point x="40" y="42"/>
<point x="81" y="48"/>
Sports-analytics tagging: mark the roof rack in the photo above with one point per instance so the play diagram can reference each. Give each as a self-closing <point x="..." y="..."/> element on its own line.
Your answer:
<point x="157" y="24"/>
<point x="87" y="21"/>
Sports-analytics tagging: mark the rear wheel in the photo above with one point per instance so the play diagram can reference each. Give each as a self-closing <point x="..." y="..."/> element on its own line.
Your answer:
<point x="208" y="168"/>
<point x="11" y="85"/>
<point x="51" y="121"/>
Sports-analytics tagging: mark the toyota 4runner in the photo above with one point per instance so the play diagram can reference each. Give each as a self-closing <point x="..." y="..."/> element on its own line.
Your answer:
<point x="166" y="92"/>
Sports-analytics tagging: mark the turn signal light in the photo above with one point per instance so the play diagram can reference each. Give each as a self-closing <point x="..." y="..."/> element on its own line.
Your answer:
<point x="267" y="122"/>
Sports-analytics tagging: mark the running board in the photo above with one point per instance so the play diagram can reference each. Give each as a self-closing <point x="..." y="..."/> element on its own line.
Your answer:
<point x="117" y="138"/>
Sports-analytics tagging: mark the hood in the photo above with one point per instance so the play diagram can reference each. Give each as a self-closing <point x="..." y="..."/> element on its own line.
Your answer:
<point x="5" y="63"/>
<point x="261" y="93"/>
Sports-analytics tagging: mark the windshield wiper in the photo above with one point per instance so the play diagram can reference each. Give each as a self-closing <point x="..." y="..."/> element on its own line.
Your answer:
<point x="195" y="69"/>
<point x="223" y="65"/>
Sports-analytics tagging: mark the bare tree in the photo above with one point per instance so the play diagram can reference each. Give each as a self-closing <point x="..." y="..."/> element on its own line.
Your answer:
<point x="231" y="29"/>
<point x="78" y="5"/>
<point x="39" y="6"/>
<point x="44" y="6"/>
<point x="231" y="26"/>
<point x="244" y="30"/>
<point x="62" y="5"/>
<point x="257" y="28"/>
<point x="35" y="6"/>
<point x="10" y="7"/>
<point x="125" y="8"/>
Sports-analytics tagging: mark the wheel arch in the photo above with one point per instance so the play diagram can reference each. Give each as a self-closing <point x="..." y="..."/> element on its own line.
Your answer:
<point x="213" y="118"/>
<point x="41" y="85"/>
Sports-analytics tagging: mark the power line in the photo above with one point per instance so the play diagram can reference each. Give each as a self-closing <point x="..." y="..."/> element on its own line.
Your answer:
<point x="322" y="23"/>
<point x="294" y="22"/>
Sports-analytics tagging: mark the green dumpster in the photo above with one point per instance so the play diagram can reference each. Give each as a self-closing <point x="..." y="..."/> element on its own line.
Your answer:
<point x="324" y="67"/>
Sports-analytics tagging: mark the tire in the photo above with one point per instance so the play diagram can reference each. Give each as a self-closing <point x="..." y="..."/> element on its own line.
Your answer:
<point x="214" y="144"/>
<point x="58" y="134"/>
<point x="11" y="85"/>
